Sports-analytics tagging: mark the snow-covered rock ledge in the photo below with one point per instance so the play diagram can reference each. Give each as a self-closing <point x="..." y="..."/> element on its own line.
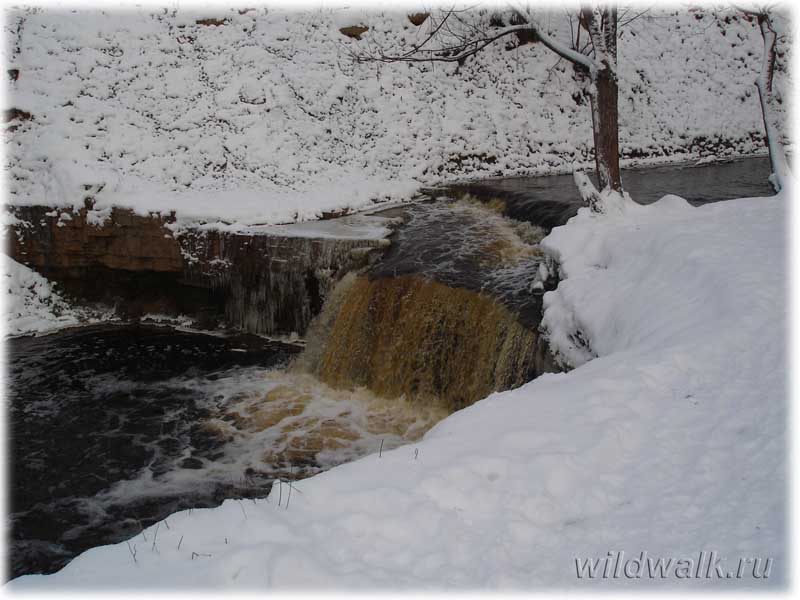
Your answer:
<point x="670" y="441"/>
<point x="262" y="279"/>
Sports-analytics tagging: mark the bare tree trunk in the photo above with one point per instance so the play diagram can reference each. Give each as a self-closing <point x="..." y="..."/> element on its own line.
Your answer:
<point x="777" y="157"/>
<point x="601" y="23"/>
<point x="605" y="130"/>
<point x="596" y="64"/>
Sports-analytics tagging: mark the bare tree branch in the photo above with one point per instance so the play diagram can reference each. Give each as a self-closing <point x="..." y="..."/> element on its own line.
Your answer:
<point x="453" y="38"/>
<point x="468" y="40"/>
<point x="625" y="22"/>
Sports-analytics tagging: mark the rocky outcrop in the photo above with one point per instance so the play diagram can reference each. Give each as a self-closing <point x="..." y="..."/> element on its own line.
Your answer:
<point x="262" y="283"/>
<point x="16" y="113"/>
<point x="354" y="31"/>
<point x="418" y="19"/>
<point x="271" y="283"/>
<point x="52" y="241"/>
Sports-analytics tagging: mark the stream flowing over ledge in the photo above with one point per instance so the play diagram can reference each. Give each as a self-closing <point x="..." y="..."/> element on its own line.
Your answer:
<point x="407" y="315"/>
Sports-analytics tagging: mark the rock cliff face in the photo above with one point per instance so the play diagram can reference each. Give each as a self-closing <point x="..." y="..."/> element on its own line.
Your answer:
<point x="270" y="283"/>
<point x="53" y="240"/>
<point x="259" y="283"/>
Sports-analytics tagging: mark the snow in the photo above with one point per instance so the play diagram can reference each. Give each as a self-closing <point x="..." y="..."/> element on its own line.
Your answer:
<point x="30" y="304"/>
<point x="359" y="226"/>
<point x="670" y="440"/>
<point x="150" y="110"/>
<point x="245" y="207"/>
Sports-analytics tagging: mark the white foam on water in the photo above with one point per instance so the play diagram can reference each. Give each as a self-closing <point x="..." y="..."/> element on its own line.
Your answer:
<point x="269" y="423"/>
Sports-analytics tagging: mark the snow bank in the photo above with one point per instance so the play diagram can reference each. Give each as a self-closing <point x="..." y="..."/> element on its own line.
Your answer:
<point x="264" y="118"/>
<point x="30" y="304"/>
<point x="671" y="441"/>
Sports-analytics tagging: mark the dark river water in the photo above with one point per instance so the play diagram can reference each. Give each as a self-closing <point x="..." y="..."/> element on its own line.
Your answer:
<point x="98" y="405"/>
<point x="551" y="201"/>
<point x="464" y="244"/>
<point x="116" y="427"/>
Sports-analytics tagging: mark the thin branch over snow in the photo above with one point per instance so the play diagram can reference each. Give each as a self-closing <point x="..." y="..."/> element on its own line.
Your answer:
<point x="595" y="63"/>
<point x="468" y="41"/>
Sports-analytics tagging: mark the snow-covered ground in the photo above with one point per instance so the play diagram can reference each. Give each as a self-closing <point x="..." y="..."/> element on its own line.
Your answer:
<point x="672" y="440"/>
<point x="31" y="305"/>
<point x="264" y="118"/>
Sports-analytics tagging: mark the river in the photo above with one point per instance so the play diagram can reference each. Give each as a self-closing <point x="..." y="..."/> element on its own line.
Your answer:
<point x="115" y="427"/>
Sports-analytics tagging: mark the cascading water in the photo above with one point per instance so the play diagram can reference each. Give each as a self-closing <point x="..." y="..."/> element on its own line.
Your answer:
<point x="415" y="337"/>
<point x="144" y="421"/>
<point x="446" y="317"/>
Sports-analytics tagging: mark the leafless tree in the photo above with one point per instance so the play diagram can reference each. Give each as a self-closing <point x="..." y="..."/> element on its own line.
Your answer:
<point x="454" y="36"/>
<point x="764" y="83"/>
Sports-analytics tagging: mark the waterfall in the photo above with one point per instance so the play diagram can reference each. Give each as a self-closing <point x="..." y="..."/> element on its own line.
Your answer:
<point x="411" y="336"/>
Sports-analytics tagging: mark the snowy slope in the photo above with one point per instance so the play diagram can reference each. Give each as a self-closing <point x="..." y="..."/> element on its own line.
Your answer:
<point x="671" y="441"/>
<point x="265" y="119"/>
<point x="30" y="305"/>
